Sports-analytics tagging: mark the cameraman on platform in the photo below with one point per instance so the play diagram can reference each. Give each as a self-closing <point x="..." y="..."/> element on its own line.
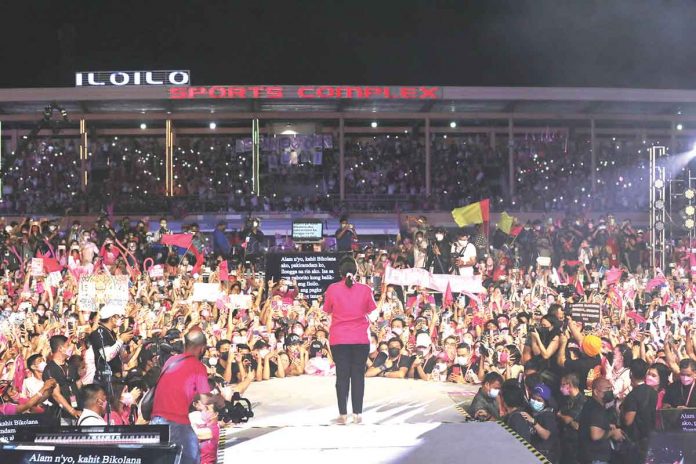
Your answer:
<point x="184" y="377"/>
<point x="439" y="253"/>
<point x="345" y="235"/>
<point x="253" y="236"/>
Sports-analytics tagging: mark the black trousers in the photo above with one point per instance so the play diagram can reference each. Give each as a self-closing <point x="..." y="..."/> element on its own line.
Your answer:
<point x="350" y="375"/>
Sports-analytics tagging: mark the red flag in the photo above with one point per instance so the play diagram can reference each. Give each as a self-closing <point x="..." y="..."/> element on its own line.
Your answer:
<point x="224" y="273"/>
<point x="515" y="231"/>
<point x="448" y="298"/>
<point x="180" y="240"/>
<point x="200" y="259"/>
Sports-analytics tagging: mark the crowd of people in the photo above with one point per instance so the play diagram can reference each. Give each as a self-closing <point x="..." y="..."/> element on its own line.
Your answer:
<point x="517" y="341"/>
<point x="127" y="174"/>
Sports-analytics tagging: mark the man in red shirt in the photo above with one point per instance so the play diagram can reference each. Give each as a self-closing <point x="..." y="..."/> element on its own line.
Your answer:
<point x="184" y="377"/>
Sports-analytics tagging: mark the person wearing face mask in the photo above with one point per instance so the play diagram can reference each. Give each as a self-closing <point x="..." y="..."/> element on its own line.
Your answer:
<point x="422" y="363"/>
<point x="64" y="399"/>
<point x="572" y="402"/>
<point x="486" y="405"/>
<point x="33" y="383"/>
<point x="543" y="422"/>
<point x="681" y="393"/>
<point x="657" y="378"/>
<point x="463" y="253"/>
<point x="596" y="429"/>
<point x="106" y="335"/>
<point x="393" y="364"/>
<point x="94" y="405"/>
<point x="12" y="403"/>
<point x="439" y="253"/>
<point x="390" y="304"/>
<point x="638" y="409"/>
<point x="183" y="377"/>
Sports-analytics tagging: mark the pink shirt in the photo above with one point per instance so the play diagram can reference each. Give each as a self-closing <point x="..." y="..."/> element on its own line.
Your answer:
<point x="349" y="308"/>
<point x="177" y="387"/>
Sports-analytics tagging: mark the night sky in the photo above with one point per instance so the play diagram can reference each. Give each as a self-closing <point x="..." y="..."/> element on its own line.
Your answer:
<point x="622" y="43"/>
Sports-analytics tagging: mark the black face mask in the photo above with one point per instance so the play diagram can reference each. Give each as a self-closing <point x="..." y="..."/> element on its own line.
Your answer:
<point x="224" y="355"/>
<point x="394" y="352"/>
<point x="608" y="397"/>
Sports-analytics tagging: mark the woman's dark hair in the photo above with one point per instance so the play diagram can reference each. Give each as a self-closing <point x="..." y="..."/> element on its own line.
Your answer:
<point x="512" y="395"/>
<point x="347" y="269"/>
<point x="663" y="371"/>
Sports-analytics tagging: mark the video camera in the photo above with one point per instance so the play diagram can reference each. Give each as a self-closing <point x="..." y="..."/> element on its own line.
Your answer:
<point x="236" y="411"/>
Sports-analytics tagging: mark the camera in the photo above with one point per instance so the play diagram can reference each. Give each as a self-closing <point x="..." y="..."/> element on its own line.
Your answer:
<point x="236" y="411"/>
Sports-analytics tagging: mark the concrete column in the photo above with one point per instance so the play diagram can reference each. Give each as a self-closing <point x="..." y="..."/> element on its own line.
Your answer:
<point x="428" y="184"/>
<point x="673" y="138"/>
<point x="341" y="160"/>
<point x="84" y="154"/>
<point x="511" y="158"/>
<point x="593" y="155"/>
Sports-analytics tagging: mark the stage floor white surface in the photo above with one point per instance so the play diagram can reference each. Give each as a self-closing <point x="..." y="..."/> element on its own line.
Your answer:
<point x="404" y="421"/>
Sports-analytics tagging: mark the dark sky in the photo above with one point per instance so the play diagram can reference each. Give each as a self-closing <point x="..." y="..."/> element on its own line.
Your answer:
<point x="624" y="43"/>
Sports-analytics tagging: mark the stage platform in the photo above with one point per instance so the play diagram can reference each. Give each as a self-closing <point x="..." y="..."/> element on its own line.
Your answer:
<point x="404" y="421"/>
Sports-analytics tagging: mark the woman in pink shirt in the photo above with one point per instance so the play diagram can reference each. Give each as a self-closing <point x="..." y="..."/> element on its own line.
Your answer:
<point x="349" y="303"/>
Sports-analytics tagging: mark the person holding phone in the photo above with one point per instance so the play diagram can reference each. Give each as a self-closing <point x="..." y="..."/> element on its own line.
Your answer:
<point x="349" y="304"/>
<point x="106" y="337"/>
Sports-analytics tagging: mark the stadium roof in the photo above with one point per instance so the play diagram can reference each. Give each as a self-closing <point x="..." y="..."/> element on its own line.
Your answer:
<point x="114" y="103"/>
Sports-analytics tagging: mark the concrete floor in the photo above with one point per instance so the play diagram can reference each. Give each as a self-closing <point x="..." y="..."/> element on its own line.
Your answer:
<point x="404" y="421"/>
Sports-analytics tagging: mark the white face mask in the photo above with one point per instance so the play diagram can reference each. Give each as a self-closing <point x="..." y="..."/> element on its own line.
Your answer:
<point x="439" y="237"/>
<point x="461" y="360"/>
<point x="493" y="393"/>
<point x="463" y="242"/>
<point x="298" y="331"/>
<point x="119" y="322"/>
<point x="127" y="399"/>
<point x="41" y="366"/>
<point x="397" y="330"/>
<point x="263" y="353"/>
<point x="238" y="340"/>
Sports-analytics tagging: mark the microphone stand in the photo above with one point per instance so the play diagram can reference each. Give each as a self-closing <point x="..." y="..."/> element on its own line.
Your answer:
<point x="107" y="375"/>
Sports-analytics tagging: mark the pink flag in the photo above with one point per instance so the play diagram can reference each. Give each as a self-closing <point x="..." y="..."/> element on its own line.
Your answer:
<point x="20" y="373"/>
<point x="579" y="289"/>
<point x="448" y="299"/>
<point x="613" y="275"/>
<point x="224" y="273"/>
<point x="655" y="282"/>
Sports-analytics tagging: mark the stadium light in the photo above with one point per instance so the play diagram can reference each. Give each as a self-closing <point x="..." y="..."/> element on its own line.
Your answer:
<point x="689" y="194"/>
<point x="659" y="184"/>
<point x="690" y="210"/>
<point x="143" y="126"/>
<point x="680" y="126"/>
<point x="689" y="223"/>
<point x="659" y="225"/>
<point x="212" y="126"/>
<point x="659" y="204"/>
<point x="373" y="124"/>
<point x="453" y="124"/>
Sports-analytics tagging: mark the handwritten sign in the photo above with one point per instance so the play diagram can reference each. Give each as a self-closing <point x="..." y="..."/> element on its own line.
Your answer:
<point x="37" y="267"/>
<point x="96" y="290"/>
<point x="589" y="313"/>
<point x="206" y="291"/>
